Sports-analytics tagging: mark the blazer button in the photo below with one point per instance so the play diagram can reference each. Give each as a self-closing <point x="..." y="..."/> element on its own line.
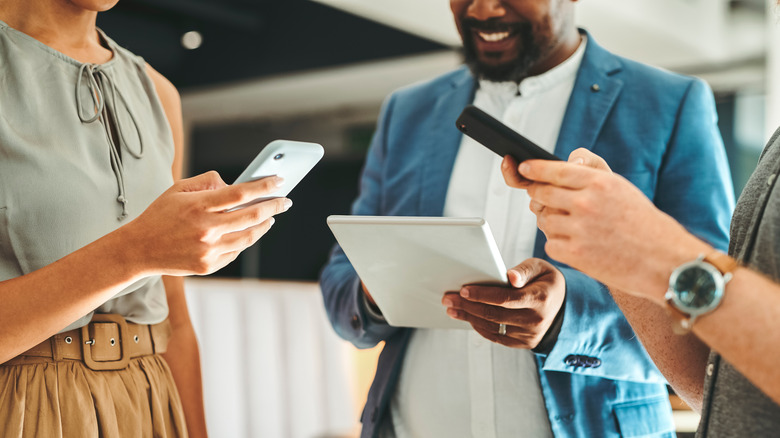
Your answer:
<point x="572" y="360"/>
<point x="592" y="362"/>
<point x="355" y="322"/>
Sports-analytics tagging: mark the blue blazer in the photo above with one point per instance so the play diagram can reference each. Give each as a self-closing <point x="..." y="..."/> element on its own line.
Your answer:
<point x="655" y="128"/>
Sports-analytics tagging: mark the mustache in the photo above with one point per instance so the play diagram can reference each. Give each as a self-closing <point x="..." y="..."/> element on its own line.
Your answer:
<point x="491" y="25"/>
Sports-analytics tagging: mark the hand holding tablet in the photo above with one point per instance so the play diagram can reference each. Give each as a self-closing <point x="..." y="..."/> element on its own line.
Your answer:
<point x="408" y="263"/>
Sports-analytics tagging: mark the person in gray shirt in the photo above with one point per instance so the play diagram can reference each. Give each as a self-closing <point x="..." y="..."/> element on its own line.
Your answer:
<point x="710" y="321"/>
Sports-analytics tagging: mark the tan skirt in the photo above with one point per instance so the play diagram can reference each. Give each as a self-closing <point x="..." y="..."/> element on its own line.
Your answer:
<point x="43" y="398"/>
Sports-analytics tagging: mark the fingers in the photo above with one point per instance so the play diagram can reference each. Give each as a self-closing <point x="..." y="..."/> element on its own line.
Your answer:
<point x="511" y="176"/>
<point x="497" y="303"/>
<point x="524" y="329"/>
<point x="587" y="158"/>
<point x="515" y="337"/>
<point x="556" y="173"/>
<point x="555" y="226"/>
<point x="472" y="311"/>
<point x="240" y="240"/>
<point x="237" y="195"/>
<point x="205" y="181"/>
<point x="254" y="214"/>
<point x="528" y="271"/>
<point x="551" y="199"/>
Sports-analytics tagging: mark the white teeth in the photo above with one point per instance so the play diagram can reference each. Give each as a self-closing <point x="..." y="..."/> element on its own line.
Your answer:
<point x="493" y="37"/>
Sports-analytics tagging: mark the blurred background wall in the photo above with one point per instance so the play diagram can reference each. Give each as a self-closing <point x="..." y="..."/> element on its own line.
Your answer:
<point x="250" y="71"/>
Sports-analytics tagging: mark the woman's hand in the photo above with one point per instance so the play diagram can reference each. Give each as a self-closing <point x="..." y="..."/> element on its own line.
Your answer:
<point x="190" y="229"/>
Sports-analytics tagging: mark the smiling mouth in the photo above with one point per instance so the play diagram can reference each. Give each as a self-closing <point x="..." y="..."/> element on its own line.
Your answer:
<point x="493" y="37"/>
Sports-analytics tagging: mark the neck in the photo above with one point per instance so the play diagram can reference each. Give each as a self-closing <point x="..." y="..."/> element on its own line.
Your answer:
<point x="60" y="25"/>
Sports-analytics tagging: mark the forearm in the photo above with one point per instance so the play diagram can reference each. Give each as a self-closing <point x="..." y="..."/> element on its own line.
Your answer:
<point x="744" y="329"/>
<point x="183" y="357"/>
<point x="681" y="359"/>
<point x="41" y="303"/>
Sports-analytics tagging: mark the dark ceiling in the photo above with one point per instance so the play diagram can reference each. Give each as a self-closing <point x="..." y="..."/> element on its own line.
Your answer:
<point x="246" y="39"/>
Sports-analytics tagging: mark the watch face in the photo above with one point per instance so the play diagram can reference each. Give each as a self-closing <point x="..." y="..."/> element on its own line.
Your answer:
<point x="696" y="287"/>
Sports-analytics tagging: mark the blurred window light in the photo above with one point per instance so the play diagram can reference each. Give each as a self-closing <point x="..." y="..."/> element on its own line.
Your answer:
<point x="192" y="40"/>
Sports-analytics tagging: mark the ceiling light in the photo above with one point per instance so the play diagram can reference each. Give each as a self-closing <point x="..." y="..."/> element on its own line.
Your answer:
<point x="192" y="40"/>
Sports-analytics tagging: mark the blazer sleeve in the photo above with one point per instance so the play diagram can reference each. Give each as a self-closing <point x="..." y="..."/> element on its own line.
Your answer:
<point x="693" y="185"/>
<point x="344" y="300"/>
<point x="694" y="182"/>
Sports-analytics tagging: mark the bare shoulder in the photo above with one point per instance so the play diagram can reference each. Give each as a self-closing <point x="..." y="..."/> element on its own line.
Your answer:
<point x="169" y="95"/>
<point x="171" y="103"/>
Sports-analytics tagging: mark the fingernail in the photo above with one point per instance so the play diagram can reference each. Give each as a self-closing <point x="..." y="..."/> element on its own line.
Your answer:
<point x="272" y="221"/>
<point x="579" y="161"/>
<point x="524" y="167"/>
<point x="278" y="181"/>
<point x="452" y="312"/>
<point x="464" y="293"/>
<point x="447" y="302"/>
<point x="287" y="204"/>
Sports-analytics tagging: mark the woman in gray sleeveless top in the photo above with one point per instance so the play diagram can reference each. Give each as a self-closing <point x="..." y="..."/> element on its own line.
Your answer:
<point x="95" y="235"/>
<point x="684" y="300"/>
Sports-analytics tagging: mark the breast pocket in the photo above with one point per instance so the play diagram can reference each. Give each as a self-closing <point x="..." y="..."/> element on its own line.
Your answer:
<point x="645" y="418"/>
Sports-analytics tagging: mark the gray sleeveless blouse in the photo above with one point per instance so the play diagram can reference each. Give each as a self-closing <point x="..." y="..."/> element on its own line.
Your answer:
<point x="84" y="149"/>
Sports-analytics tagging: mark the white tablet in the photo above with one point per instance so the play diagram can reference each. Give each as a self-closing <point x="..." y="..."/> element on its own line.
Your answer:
<point x="408" y="263"/>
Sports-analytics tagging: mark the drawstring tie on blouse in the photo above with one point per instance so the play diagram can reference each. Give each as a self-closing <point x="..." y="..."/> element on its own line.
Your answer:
<point x="97" y="81"/>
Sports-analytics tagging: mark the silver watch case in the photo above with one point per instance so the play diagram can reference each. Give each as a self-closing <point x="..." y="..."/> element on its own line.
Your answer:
<point x="673" y="296"/>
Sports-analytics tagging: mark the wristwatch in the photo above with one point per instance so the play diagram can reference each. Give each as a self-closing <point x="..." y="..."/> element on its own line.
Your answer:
<point x="696" y="288"/>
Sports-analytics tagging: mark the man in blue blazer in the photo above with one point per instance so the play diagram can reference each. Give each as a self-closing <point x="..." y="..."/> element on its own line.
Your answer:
<point x="590" y="376"/>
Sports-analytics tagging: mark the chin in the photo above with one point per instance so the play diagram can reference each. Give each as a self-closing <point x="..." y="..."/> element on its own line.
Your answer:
<point x="94" y="5"/>
<point x="513" y="70"/>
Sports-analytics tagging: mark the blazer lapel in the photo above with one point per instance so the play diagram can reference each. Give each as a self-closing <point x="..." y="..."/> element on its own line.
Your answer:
<point x="595" y="91"/>
<point x="442" y="144"/>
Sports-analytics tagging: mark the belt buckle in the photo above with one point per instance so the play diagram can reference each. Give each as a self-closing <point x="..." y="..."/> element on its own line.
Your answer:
<point x="107" y="365"/>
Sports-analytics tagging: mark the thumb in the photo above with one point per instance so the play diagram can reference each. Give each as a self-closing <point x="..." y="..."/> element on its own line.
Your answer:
<point x="525" y="272"/>
<point x="587" y="158"/>
<point x="205" y="181"/>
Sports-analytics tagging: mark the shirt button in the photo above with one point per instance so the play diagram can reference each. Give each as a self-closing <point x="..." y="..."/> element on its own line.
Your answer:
<point x="355" y="322"/>
<point x="710" y="369"/>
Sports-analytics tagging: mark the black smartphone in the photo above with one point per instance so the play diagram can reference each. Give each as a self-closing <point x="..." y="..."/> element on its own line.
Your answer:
<point x="498" y="137"/>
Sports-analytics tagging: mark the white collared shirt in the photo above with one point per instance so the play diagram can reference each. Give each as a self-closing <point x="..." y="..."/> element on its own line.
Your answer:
<point x="455" y="383"/>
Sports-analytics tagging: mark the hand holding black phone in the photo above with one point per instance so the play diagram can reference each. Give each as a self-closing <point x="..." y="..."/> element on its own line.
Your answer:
<point x="498" y="137"/>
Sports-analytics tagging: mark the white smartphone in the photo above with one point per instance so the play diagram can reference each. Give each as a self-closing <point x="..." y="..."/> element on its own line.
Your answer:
<point x="288" y="159"/>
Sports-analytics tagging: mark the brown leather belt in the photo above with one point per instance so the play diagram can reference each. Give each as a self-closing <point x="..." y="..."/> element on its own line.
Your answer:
<point x="108" y="342"/>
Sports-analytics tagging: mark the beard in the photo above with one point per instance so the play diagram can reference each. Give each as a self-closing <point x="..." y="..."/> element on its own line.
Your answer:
<point x="513" y="71"/>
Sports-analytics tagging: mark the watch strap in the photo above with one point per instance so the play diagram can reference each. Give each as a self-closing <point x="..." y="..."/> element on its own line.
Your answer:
<point x="722" y="262"/>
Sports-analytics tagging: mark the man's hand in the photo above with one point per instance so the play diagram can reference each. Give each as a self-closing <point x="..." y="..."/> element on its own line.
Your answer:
<point x="528" y="306"/>
<point x="581" y="156"/>
<point x="600" y="223"/>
